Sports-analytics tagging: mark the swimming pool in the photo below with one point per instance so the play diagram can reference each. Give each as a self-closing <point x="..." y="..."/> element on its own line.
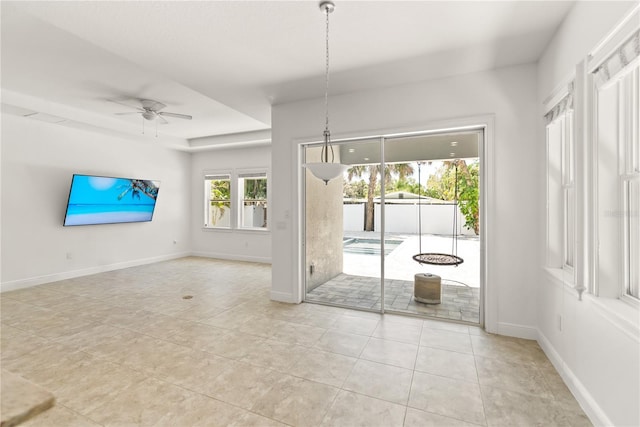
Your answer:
<point x="369" y="246"/>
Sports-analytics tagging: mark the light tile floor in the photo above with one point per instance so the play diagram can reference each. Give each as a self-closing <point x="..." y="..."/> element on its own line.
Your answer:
<point x="459" y="302"/>
<point x="124" y="348"/>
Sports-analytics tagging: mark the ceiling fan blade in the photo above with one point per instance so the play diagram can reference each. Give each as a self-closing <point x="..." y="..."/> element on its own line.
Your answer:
<point x="115" y="101"/>
<point x="129" y="112"/>
<point x="176" y="115"/>
<point x="149" y="104"/>
<point x="161" y="119"/>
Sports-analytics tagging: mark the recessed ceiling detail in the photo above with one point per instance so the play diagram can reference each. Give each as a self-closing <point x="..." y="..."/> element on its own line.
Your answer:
<point x="225" y="63"/>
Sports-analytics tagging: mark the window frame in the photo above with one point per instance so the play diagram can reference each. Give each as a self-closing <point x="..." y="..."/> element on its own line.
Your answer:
<point x="242" y="174"/>
<point x="627" y="151"/>
<point x="235" y="199"/>
<point x="209" y="176"/>
<point x="568" y="190"/>
<point x="561" y="211"/>
<point x="627" y="272"/>
<point x="631" y="177"/>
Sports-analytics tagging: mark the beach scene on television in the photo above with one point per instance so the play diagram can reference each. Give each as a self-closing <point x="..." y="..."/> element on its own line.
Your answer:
<point x="106" y="200"/>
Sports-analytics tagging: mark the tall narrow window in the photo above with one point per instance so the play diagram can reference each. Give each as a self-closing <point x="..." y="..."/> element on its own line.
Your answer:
<point x="561" y="211"/>
<point x="632" y="241"/>
<point x="616" y="144"/>
<point x="252" y="188"/>
<point x="630" y="110"/>
<point x="217" y="210"/>
<point x="568" y="193"/>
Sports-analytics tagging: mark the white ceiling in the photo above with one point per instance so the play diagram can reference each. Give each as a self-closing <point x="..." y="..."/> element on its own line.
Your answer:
<point x="226" y="62"/>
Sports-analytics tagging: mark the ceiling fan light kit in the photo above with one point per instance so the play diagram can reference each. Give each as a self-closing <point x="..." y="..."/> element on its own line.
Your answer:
<point x="324" y="169"/>
<point x="151" y="110"/>
<point x="149" y="115"/>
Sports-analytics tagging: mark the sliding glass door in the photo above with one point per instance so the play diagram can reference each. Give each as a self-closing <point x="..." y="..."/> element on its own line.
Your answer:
<point x="431" y="214"/>
<point x="400" y="197"/>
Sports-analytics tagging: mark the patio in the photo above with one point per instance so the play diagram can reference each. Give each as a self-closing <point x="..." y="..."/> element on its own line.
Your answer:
<point x="359" y="284"/>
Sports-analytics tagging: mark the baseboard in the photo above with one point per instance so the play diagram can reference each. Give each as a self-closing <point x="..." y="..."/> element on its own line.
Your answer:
<point x="283" y="297"/>
<point x="587" y="402"/>
<point x="550" y="351"/>
<point x="232" y="257"/>
<point x="39" y="280"/>
<point x="517" y="331"/>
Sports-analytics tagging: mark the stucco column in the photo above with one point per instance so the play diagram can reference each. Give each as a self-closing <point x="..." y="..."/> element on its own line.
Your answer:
<point x="323" y="224"/>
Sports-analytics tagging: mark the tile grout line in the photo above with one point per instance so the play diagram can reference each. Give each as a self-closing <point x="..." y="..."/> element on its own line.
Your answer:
<point x="482" y="396"/>
<point x="296" y="316"/>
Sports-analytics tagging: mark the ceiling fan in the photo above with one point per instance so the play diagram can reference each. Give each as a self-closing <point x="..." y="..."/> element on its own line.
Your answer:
<point x="151" y="110"/>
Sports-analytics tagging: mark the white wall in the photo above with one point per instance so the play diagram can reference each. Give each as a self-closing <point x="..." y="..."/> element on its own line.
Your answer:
<point x="353" y="217"/>
<point x="243" y="245"/>
<point x="436" y="219"/>
<point x="38" y="160"/>
<point x="403" y="218"/>
<point x="510" y="95"/>
<point x="594" y="342"/>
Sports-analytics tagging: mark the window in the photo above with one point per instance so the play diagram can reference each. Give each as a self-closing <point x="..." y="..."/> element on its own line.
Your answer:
<point x="632" y="241"/>
<point x="252" y="188"/>
<point x="236" y="199"/>
<point x="568" y="193"/>
<point x="561" y="201"/>
<point x="217" y="210"/>
<point x="630" y="178"/>
<point x="615" y="85"/>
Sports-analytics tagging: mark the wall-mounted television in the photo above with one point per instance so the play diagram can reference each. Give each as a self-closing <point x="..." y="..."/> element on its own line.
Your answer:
<point x="109" y="200"/>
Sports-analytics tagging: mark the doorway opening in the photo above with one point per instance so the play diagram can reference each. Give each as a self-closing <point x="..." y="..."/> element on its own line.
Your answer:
<point x="361" y="232"/>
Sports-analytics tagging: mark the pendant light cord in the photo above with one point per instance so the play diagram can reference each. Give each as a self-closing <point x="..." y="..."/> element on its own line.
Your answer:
<point x="326" y="73"/>
<point x="327" y="134"/>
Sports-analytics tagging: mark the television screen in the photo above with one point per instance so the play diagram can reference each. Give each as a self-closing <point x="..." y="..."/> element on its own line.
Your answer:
<point x="108" y="200"/>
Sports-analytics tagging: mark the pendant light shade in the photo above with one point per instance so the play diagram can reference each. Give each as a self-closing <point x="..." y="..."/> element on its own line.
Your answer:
<point x="324" y="169"/>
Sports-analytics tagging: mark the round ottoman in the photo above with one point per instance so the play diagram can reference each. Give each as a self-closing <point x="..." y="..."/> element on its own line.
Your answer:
<point x="427" y="288"/>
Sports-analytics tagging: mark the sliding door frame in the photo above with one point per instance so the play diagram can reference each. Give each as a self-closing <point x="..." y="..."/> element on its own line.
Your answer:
<point x="485" y="124"/>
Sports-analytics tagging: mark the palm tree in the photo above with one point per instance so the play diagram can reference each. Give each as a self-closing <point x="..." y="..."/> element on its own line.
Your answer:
<point x="137" y="186"/>
<point x="358" y="171"/>
<point x="400" y="169"/>
<point x="403" y="170"/>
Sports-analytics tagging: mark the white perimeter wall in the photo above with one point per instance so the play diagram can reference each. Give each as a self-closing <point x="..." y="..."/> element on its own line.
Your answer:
<point x="510" y="95"/>
<point x="403" y="218"/>
<point x="243" y="245"/>
<point x="353" y="217"/>
<point x="595" y="349"/>
<point x="436" y="219"/>
<point x="38" y="160"/>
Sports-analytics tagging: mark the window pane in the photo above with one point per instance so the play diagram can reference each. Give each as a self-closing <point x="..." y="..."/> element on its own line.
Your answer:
<point x="555" y="235"/>
<point x="567" y="151"/>
<point x="218" y="203"/>
<point x="633" y="238"/>
<point x="633" y="113"/>
<point x="254" y="201"/>
<point x="569" y="224"/>
<point x="608" y="239"/>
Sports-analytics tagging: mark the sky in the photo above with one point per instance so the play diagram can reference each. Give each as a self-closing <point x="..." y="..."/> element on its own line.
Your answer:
<point x="103" y="190"/>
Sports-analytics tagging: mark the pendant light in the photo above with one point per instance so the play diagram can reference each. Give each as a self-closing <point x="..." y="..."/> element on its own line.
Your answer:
<point x="324" y="169"/>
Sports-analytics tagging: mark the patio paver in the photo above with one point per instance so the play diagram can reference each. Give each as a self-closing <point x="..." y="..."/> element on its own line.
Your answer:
<point x="458" y="302"/>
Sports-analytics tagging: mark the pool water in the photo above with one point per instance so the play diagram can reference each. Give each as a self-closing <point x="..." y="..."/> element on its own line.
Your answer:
<point x="369" y="246"/>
